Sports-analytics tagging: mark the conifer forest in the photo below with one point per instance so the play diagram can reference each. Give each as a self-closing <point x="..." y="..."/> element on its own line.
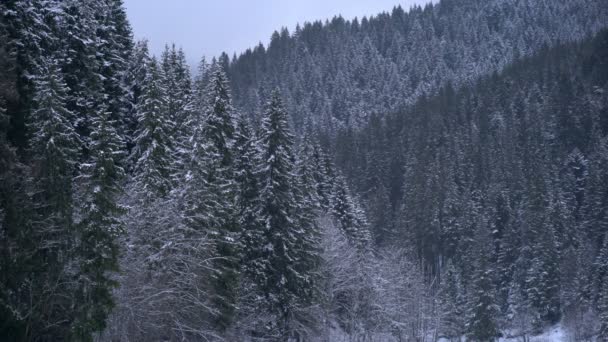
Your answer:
<point x="433" y="173"/>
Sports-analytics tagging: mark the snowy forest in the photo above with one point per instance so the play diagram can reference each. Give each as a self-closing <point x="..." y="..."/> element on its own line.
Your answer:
<point x="435" y="173"/>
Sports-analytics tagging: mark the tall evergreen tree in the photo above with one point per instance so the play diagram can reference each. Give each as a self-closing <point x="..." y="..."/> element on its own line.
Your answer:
<point x="153" y="151"/>
<point x="210" y="193"/>
<point x="99" y="228"/>
<point x="287" y="282"/>
<point x="482" y="310"/>
<point x="246" y="160"/>
<point x="349" y="215"/>
<point x="136" y="72"/>
<point x="452" y="303"/>
<point x="114" y="50"/>
<point x="54" y="147"/>
<point x="81" y="63"/>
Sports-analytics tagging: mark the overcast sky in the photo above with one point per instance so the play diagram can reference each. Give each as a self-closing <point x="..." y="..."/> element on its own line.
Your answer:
<point x="210" y="27"/>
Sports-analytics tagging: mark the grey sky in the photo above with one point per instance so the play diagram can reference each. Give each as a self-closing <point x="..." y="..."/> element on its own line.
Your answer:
<point x="209" y="27"/>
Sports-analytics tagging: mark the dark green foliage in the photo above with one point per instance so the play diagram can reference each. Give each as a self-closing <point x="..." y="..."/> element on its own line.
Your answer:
<point x="452" y="304"/>
<point x="494" y="150"/>
<point x="338" y="73"/>
<point x="482" y="310"/>
<point x="451" y="184"/>
<point x="152" y="156"/>
<point x="287" y="268"/>
<point x="99" y="228"/>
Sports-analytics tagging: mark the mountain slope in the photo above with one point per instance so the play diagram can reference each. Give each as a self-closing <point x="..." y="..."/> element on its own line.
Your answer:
<point x="336" y="74"/>
<point x="517" y="163"/>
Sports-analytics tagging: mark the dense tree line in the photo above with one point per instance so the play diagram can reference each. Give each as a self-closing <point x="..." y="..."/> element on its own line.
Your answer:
<point x="500" y="188"/>
<point x="136" y="201"/>
<point x="338" y="73"/>
<point x="139" y="202"/>
<point x="62" y="145"/>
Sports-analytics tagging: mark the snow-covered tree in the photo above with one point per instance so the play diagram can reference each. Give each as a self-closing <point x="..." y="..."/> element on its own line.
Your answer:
<point x="288" y="277"/>
<point x="153" y="151"/>
<point x="349" y="215"/>
<point x="54" y="148"/>
<point x="482" y="310"/>
<point x="452" y="304"/>
<point x="99" y="227"/>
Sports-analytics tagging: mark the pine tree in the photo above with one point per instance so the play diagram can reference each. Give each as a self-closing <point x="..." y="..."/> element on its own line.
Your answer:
<point x="153" y="151"/>
<point x="99" y="228"/>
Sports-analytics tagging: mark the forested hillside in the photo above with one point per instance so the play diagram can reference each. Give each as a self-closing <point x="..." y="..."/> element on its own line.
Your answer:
<point x="505" y="179"/>
<point x="429" y="174"/>
<point x="336" y="74"/>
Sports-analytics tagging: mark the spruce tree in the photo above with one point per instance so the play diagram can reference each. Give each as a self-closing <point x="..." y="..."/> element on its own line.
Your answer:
<point x="99" y="228"/>
<point x="54" y="149"/>
<point x="288" y="276"/>
<point x="542" y="281"/>
<point x="82" y="64"/>
<point x="136" y="72"/>
<point x="17" y="283"/>
<point x="114" y="50"/>
<point x="603" y="312"/>
<point x="178" y="88"/>
<point x="247" y="201"/>
<point x="349" y="216"/>
<point x="482" y="310"/>
<point x="153" y="153"/>
<point x="29" y="27"/>
<point x="452" y="304"/>
<point x="210" y="191"/>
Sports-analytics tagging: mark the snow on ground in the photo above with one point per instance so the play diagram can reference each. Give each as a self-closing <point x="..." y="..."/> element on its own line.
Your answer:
<point x="555" y="334"/>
